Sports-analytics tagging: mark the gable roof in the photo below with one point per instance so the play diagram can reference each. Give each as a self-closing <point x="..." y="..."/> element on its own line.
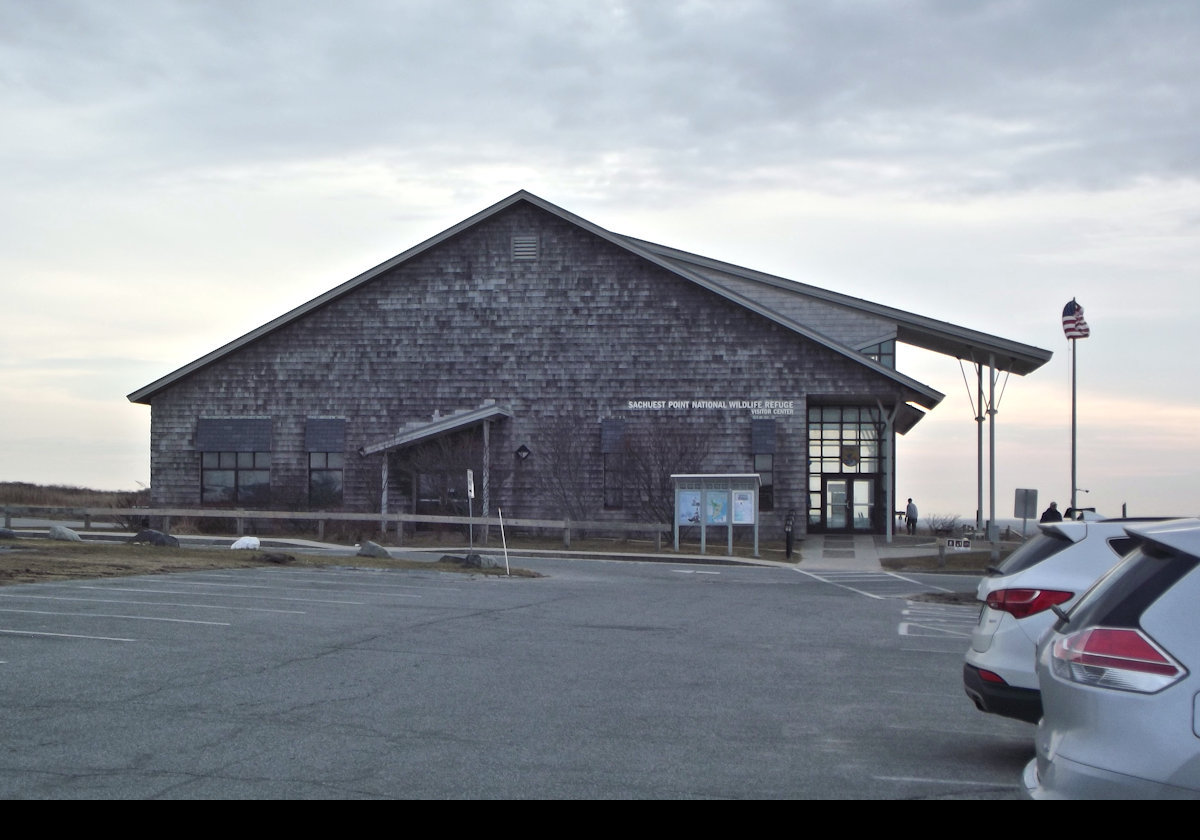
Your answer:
<point x="742" y="286"/>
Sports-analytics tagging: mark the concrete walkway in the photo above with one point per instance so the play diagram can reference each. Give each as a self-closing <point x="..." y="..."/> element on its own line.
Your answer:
<point x="858" y="552"/>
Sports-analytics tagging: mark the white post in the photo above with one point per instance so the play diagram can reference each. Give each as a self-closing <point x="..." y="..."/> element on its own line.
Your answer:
<point x="503" y="542"/>
<point x="383" y="495"/>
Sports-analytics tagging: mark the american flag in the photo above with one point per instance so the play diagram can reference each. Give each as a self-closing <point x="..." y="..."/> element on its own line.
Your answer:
<point x="1073" y="324"/>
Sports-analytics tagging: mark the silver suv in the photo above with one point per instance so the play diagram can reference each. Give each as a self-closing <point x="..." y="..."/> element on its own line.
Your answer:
<point x="1120" y="681"/>
<point x="1019" y="600"/>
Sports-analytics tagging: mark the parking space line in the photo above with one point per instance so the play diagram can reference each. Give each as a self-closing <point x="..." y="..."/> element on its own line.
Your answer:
<point x="921" y="780"/>
<point x="276" y="588"/>
<point x="957" y="621"/>
<point x="829" y="579"/>
<point x="225" y="595"/>
<point x="65" y="636"/>
<point x="117" y="615"/>
<point x="150" y="603"/>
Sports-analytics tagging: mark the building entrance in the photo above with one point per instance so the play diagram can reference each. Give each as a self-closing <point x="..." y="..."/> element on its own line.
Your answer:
<point x="849" y="505"/>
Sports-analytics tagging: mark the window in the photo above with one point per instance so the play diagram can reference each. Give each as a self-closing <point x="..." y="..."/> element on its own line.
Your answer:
<point x="325" y="442"/>
<point x="884" y="352"/>
<point x="762" y="443"/>
<point x="612" y="448"/>
<point x="241" y="478"/>
<point x="764" y="465"/>
<point x="843" y="441"/>
<point x="235" y="460"/>
<point x="325" y="479"/>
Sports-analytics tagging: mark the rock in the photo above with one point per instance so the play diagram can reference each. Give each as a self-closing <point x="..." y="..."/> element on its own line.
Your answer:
<point x="472" y="561"/>
<point x="149" y="535"/>
<point x="62" y="532"/>
<point x="370" y="549"/>
<point x="250" y="543"/>
<point x="273" y="557"/>
<point x="481" y="561"/>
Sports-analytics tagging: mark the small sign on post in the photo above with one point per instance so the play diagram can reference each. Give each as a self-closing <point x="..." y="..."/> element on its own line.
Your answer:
<point x="1026" y="507"/>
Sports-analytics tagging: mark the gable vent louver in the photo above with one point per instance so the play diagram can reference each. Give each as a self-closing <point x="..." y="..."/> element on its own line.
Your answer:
<point x="525" y="247"/>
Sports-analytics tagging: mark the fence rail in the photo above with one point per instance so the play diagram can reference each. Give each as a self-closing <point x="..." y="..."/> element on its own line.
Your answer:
<point x="391" y="523"/>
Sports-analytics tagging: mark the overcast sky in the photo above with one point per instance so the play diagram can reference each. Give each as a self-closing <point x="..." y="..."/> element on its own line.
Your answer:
<point x="175" y="174"/>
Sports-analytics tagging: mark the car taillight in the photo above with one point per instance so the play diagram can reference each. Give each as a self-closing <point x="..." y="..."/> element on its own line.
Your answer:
<point x="1020" y="603"/>
<point x="1120" y="658"/>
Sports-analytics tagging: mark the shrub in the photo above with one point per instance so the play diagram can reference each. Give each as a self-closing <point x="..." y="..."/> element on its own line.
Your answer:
<point x="940" y="523"/>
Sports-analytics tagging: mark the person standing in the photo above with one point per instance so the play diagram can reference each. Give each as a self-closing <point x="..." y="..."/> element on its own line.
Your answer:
<point x="1051" y="514"/>
<point x="910" y="518"/>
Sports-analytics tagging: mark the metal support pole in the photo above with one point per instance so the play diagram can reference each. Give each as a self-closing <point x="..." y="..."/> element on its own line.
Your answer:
<point x="979" y="416"/>
<point x="888" y="433"/>
<point x="992" y="531"/>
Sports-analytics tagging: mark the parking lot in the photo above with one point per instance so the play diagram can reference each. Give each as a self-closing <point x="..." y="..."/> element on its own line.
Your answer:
<point x="599" y="680"/>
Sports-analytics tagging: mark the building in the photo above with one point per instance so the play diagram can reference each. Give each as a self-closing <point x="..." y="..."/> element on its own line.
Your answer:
<point x="571" y="369"/>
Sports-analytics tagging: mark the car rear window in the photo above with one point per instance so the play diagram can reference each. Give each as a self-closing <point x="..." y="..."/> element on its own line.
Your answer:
<point x="1119" y="597"/>
<point x="1122" y="545"/>
<point x="1031" y="553"/>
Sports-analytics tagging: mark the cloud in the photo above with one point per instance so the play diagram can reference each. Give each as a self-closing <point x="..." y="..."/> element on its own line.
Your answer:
<point x="178" y="173"/>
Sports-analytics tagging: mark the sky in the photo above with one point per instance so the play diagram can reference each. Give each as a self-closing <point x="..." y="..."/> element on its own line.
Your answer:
<point x="176" y="173"/>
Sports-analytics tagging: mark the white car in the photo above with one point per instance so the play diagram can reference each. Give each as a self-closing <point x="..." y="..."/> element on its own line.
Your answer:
<point x="1120" y="679"/>
<point x="1020" y="598"/>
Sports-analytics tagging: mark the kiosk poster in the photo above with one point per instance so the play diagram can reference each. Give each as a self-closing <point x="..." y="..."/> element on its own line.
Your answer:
<point x="743" y="507"/>
<point x="689" y="507"/>
<point x="718" y="507"/>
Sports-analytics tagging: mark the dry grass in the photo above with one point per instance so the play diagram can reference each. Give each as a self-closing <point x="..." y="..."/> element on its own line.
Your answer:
<point x="31" y="561"/>
<point x="57" y="495"/>
<point x="961" y="562"/>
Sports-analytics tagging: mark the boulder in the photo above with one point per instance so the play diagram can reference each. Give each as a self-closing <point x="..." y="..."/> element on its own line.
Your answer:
<point x="250" y="543"/>
<point x="472" y="561"/>
<point x="62" y="532"/>
<point x="370" y="549"/>
<point x="152" y="537"/>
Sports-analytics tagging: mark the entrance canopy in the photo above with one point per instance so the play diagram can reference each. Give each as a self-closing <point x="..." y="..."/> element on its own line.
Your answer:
<point x="436" y="427"/>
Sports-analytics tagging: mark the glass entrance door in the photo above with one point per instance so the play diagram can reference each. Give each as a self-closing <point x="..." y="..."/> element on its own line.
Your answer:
<point x="849" y="504"/>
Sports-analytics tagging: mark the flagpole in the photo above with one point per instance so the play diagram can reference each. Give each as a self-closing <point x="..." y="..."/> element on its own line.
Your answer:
<point x="1075" y="328"/>
<point x="1074" y="342"/>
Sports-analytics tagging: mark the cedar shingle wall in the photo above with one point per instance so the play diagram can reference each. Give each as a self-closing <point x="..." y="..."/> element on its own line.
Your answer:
<point x="570" y="336"/>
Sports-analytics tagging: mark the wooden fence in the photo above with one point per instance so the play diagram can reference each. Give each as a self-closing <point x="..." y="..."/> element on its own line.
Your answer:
<point x="393" y="524"/>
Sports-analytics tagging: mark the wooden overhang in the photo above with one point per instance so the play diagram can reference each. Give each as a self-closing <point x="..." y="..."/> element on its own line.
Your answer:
<point x="436" y="428"/>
